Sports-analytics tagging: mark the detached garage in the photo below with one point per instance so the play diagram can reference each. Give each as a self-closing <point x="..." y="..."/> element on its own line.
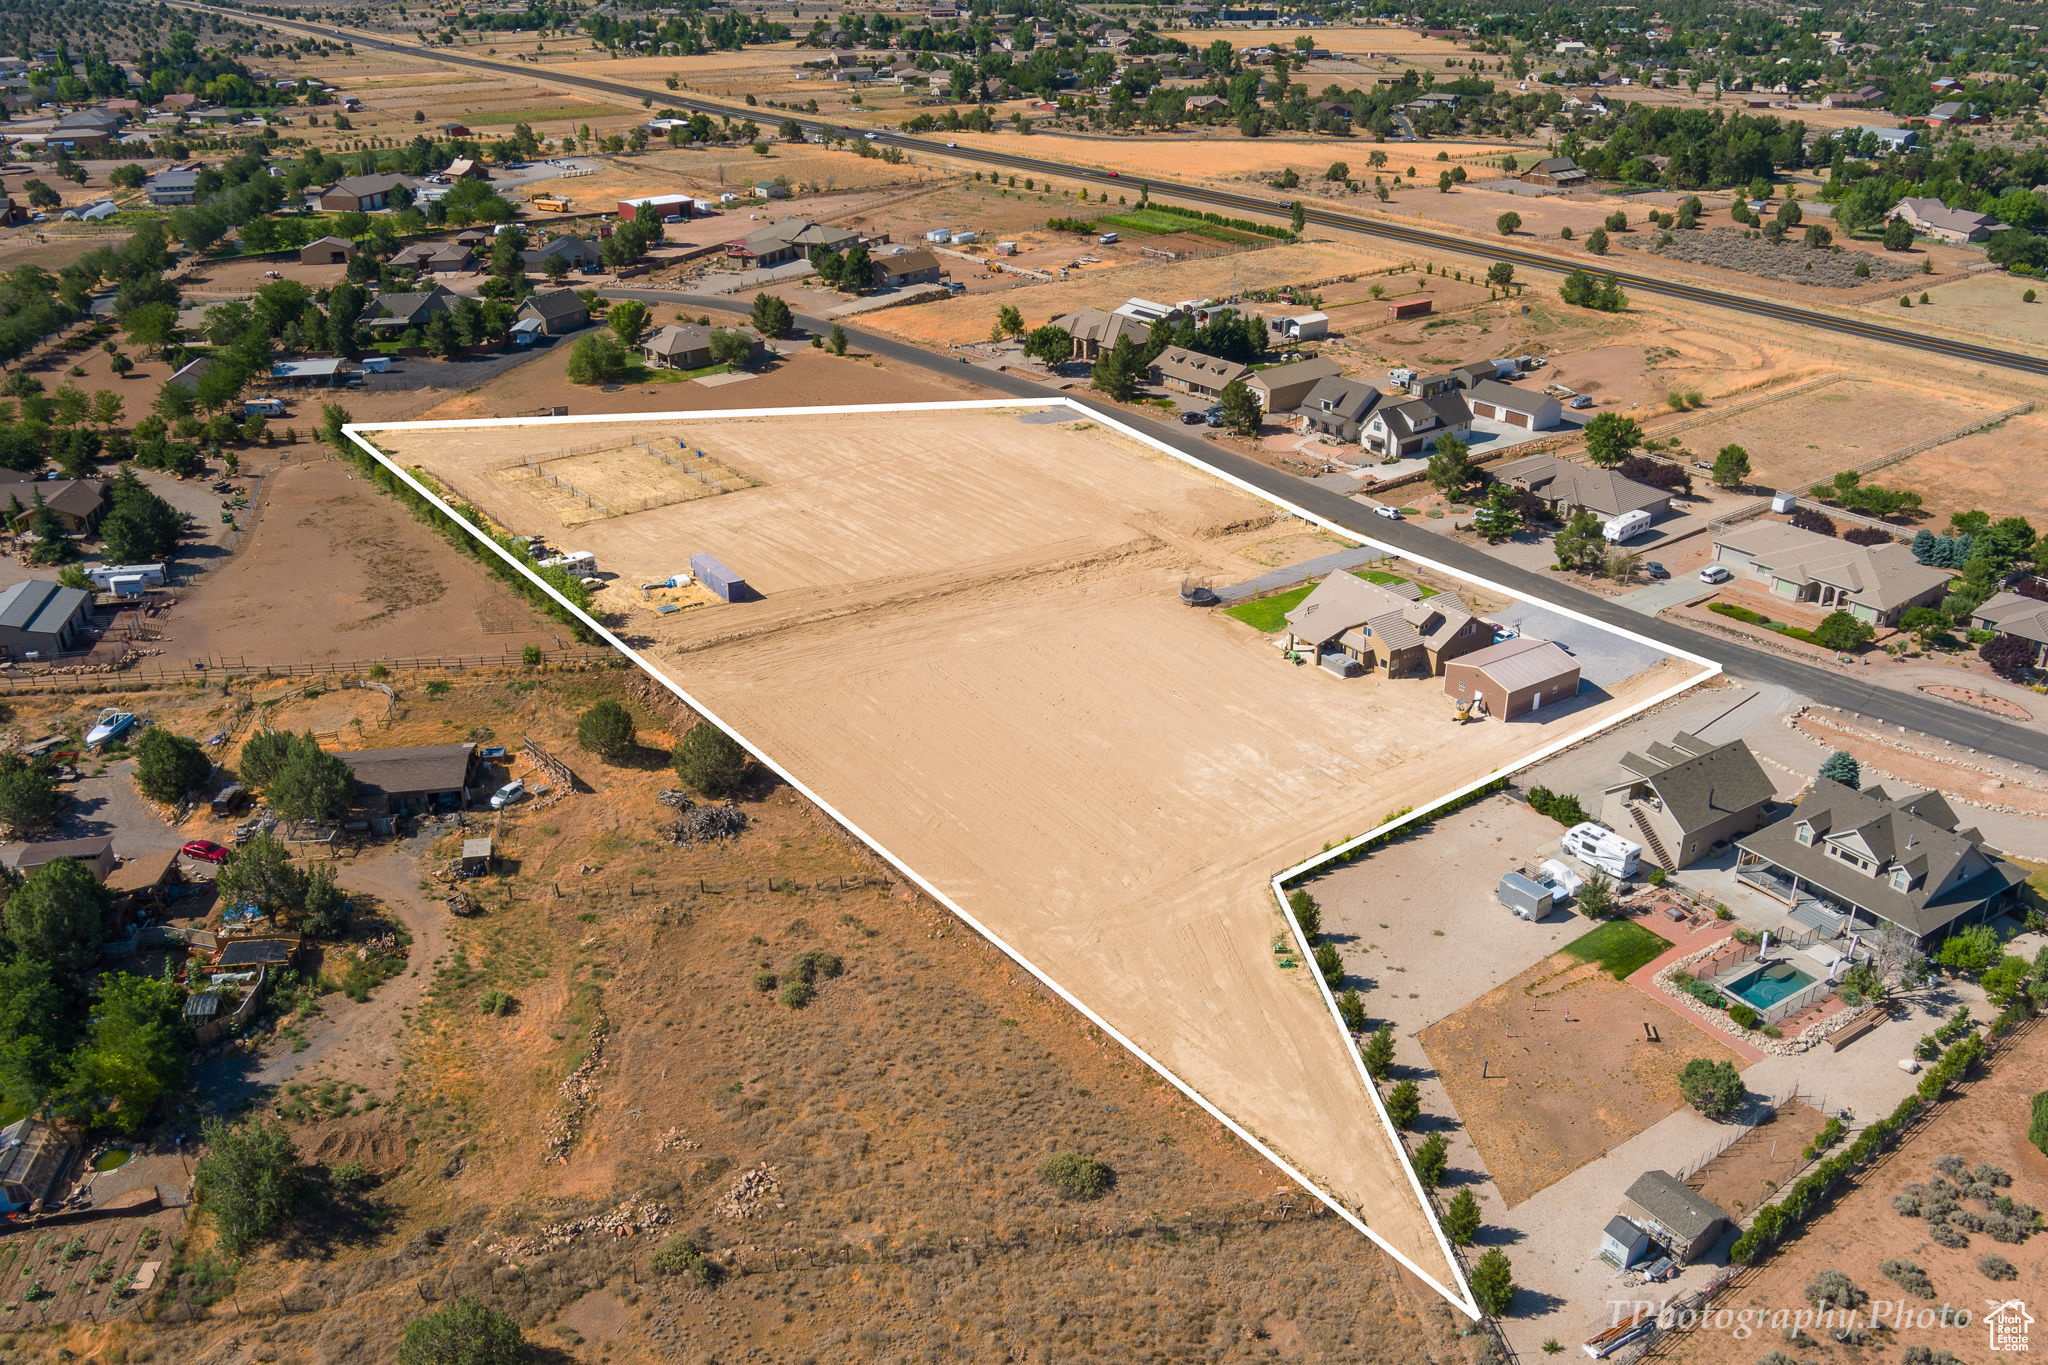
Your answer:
<point x="1500" y="402"/>
<point x="1513" y="678"/>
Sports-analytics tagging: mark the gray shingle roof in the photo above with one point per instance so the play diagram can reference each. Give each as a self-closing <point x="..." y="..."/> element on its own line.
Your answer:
<point x="1577" y="485"/>
<point x="2014" y="614"/>
<point x="1339" y="397"/>
<point x="1877" y="576"/>
<point x="1701" y="783"/>
<point x="424" y="768"/>
<point x="1676" y="1206"/>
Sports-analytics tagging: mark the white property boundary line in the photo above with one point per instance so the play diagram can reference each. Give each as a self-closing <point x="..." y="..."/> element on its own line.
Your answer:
<point x="1458" y="1294"/>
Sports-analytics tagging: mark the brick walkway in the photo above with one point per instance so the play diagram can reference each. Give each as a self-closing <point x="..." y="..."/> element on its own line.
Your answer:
<point x="1689" y="940"/>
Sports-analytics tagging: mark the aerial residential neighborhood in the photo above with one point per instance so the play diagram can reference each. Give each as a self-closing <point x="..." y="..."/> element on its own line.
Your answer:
<point x="941" y="682"/>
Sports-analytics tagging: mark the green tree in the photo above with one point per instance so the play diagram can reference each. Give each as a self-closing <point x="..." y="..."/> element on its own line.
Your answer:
<point x="1297" y="218"/>
<point x="1117" y="372"/>
<point x="1493" y="1283"/>
<point x="1731" y="467"/>
<point x="168" y="765"/>
<point x="1508" y="224"/>
<point x="1898" y="234"/>
<point x="1049" y="345"/>
<point x="1579" y="543"/>
<point x="250" y="1181"/>
<point x="597" y="358"/>
<point x="835" y="341"/>
<point x="729" y="347"/>
<point x="1351" y="1009"/>
<point x="463" y="1331"/>
<point x="1596" y="897"/>
<point x="1404" y="1105"/>
<point x="1715" y="1089"/>
<point x="628" y="319"/>
<point x="1378" y="1052"/>
<point x="1612" y="438"/>
<point x="311" y="786"/>
<point x="60" y="914"/>
<point x="35" y="1030"/>
<point x="1840" y="631"/>
<point x="1498" y="517"/>
<point x="771" y="316"/>
<point x="607" y="730"/>
<point x="261" y="873"/>
<point x="1970" y="950"/>
<point x="1307" y="913"/>
<point x="1596" y="241"/>
<point x="1450" y="466"/>
<point x="1431" y="1161"/>
<point x="324" y="908"/>
<point x="1461" y="1218"/>
<point x="709" y="761"/>
<point x="1500" y="274"/>
<point x="28" y="795"/>
<point x="1241" y="410"/>
<point x="1841" y="766"/>
<point x="136" y="1051"/>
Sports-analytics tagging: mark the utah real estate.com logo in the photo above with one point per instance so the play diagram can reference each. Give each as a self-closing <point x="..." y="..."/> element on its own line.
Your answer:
<point x="2008" y="1322"/>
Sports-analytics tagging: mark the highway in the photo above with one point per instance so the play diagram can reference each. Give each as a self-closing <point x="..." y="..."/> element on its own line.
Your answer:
<point x="1421" y="238"/>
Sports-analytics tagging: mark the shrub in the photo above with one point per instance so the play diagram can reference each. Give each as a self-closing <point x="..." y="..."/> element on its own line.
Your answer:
<point x="1461" y="1218"/>
<point x="495" y="1002"/>
<point x="2037" y="1124"/>
<point x="764" y="981"/>
<point x="1744" y="1016"/>
<point x="797" y="994"/>
<point x="1833" y="1289"/>
<point x="679" y="1255"/>
<point x="1563" y="808"/>
<point x="1307" y="913"/>
<point x="462" y="1331"/>
<point x="607" y="730"/>
<point x="1076" y="1176"/>
<point x="1432" y="1161"/>
<point x="709" y="760"/>
<point x="1404" y="1105"/>
<point x="1909" y="1277"/>
<point x="1379" y="1053"/>
<point x="1947" y="1234"/>
<point x="1992" y="1266"/>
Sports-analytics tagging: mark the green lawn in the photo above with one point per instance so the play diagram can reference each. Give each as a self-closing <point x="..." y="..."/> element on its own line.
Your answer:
<point x="639" y="373"/>
<point x="1620" y="946"/>
<point x="1269" y="614"/>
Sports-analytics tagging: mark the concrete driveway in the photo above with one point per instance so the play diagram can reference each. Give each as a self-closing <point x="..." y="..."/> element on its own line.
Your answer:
<point x="1673" y="592"/>
<point x="1605" y="659"/>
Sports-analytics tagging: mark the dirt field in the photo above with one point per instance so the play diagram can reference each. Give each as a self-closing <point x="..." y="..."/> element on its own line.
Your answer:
<point x="1811" y="436"/>
<point x="1765" y="1159"/>
<point x="1989" y="470"/>
<point x="1988" y="303"/>
<point x="1026" y="583"/>
<point x="1552" y="1069"/>
<point x="329" y="572"/>
<point x="1217" y="158"/>
<point x="1988" y="1124"/>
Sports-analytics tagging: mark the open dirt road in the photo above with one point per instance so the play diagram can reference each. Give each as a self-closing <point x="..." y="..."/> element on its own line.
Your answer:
<point x="972" y="647"/>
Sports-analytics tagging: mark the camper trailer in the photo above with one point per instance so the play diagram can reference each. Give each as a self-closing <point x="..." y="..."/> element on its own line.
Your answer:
<point x="1626" y="527"/>
<point x="1600" y="847"/>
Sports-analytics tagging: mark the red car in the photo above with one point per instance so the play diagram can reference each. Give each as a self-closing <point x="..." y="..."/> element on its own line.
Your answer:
<point x="1114" y="175"/>
<point x="206" y="851"/>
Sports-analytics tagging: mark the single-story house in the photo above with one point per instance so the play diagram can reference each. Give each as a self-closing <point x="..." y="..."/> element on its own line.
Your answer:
<point x="1337" y="407"/>
<point x="1390" y="626"/>
<point x="1675" y="1215"/>
<point x="1281" y="389"/>
<point x="173" y="188"/>
<point x="1096" y="330"/>
<point x="43" y="618"/>
<point x="557" y="310"/>
<point x="1187" y="371"/>
<point x="2011" y="613"/>
<point x="327" y="251"/>
<point x="1498" y="402"/>
<point x="1207" y="104"/>
<point x="1514" y="678"/>
<point x="397" y="312"/>
<point x="1861" y="96"/>
<point x="139" y="882"/>
<point x="1876" y="584"/>
<point x="1851" y="861"/>
<point x="573" y="252"/>
<point x="1565" y="487"/>
<point x="1932" y="218"/>
<point x="95" y="853"/>
<point x="34" y="1155"/>
<point x="788" y="239"/>
<point x="916" y="266"/>
<point x="1412" y="426"/>
<point x="78" y="504"/>
<point x="1558" y="172"/>
<point x="1892" y="139"/>
<point x="435" y="258"/>
<point x="1685" y="799"/>
<point x="363" y="193"/>
<point x="425" y="777"/>
<point x="678" y="346"/>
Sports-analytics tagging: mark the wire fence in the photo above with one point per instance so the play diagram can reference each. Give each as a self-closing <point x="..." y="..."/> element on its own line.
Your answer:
<point x="221" y="669"/>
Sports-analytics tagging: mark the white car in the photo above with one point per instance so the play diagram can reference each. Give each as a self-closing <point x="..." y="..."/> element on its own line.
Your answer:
<point x="1716" y="573"/>
<point x="507" y="794"/>
<point x="1390" y="513"/>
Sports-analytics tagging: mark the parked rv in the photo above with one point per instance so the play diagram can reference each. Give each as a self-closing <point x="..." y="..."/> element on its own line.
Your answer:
<point x="1626" y="527"/>
<point x="1600" y="847"/>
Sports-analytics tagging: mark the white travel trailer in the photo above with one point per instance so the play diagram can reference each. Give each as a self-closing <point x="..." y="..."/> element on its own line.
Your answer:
<point x="1598" y="846"/>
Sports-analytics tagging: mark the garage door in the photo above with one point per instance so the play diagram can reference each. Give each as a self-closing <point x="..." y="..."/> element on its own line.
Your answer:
<point x="1520" y="419"/>
<point x="1486" y="410"/>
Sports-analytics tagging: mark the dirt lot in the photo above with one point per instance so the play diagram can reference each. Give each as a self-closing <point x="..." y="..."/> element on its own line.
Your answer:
<point x="1988" y="470"/>
<point x="1552" y="1069"/>
<point x="1032" y="607"/>
<point x="1759" y="1163"/>
<point x="1989" y="303"/>
<point x="333" y="572"/>
<point x="1988" y="1124"/>
<point x="1810" y="437"/>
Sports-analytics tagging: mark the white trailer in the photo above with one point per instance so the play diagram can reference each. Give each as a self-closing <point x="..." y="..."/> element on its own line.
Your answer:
<point x="1600" y="847"/>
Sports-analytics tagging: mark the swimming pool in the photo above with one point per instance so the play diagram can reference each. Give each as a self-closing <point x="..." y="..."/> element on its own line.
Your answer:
<point x="1762" y="987"/>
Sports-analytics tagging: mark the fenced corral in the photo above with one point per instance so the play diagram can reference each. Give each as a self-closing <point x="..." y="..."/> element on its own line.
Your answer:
<point x="614" y="478"/>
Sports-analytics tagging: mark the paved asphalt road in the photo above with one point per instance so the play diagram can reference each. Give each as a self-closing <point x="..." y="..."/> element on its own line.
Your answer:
<point x="1943" y="720"/>
<point x="1489" y="249"/>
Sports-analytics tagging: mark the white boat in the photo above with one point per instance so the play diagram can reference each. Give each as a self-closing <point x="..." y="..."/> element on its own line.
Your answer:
<point x="111" y="723"/>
